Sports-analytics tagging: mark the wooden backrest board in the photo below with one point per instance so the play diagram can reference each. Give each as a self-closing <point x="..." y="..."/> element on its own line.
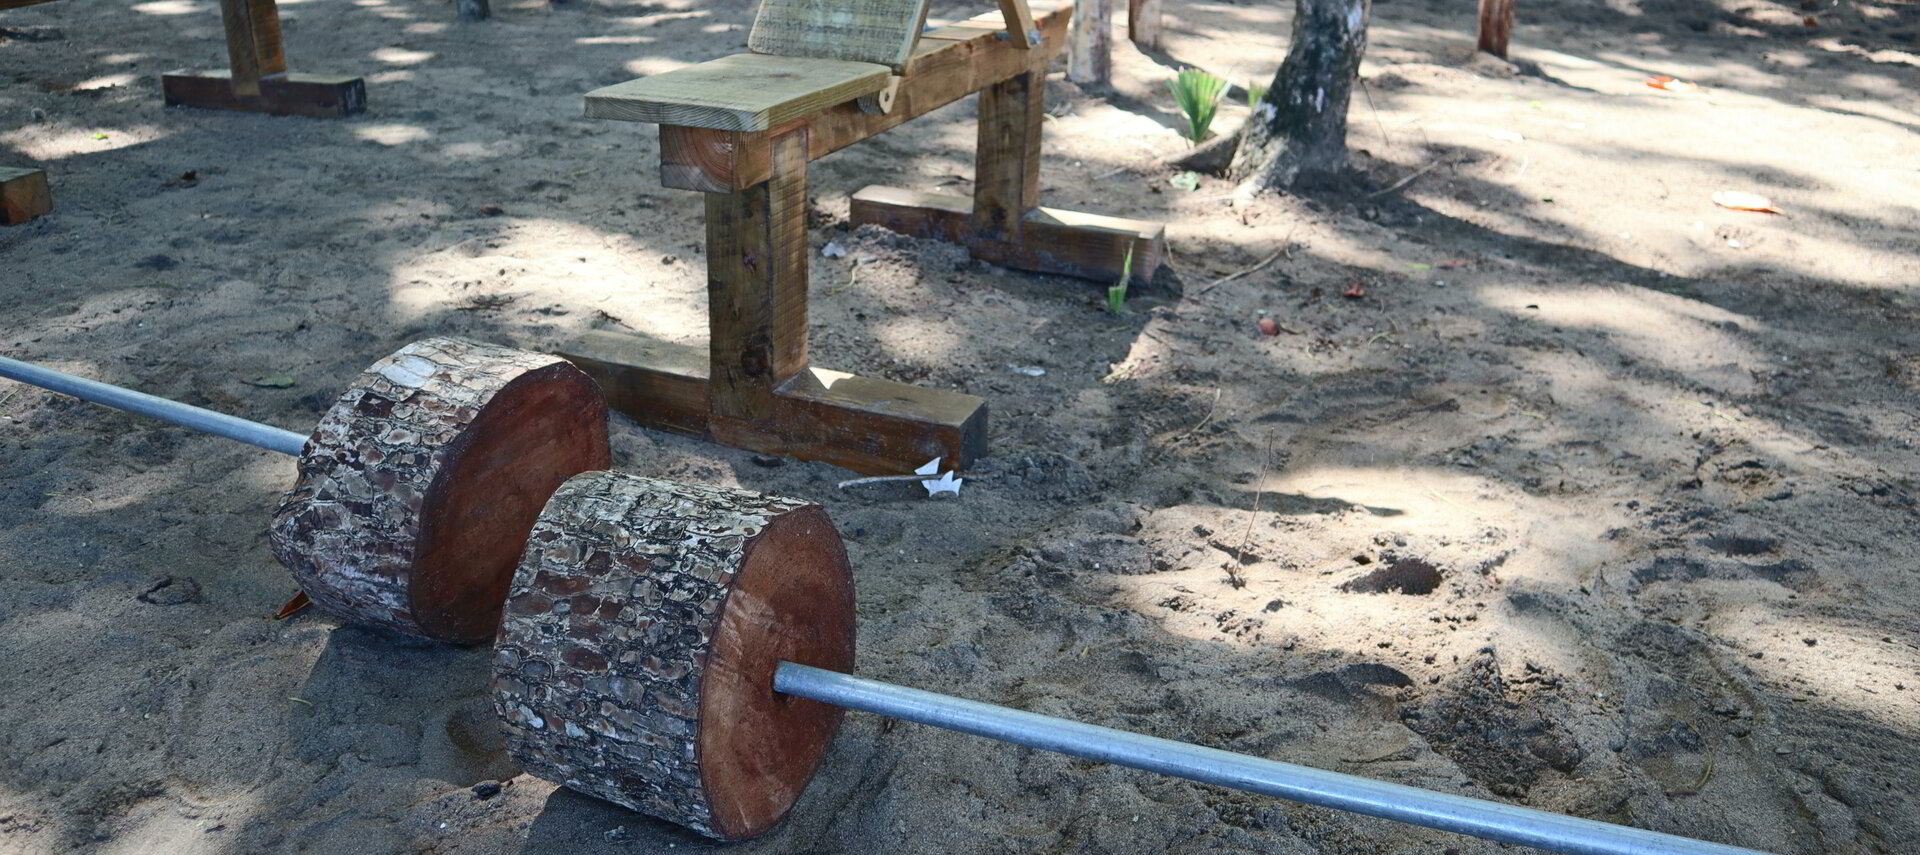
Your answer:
<point x="877" y="31"/>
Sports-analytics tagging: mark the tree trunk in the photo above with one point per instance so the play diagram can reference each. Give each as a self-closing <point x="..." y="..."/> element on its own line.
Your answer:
<point x="1299" y="130"/>
<point x="1496" y="26"/>
<point x="1090" y="43"/>
<point x="636" y="657"/>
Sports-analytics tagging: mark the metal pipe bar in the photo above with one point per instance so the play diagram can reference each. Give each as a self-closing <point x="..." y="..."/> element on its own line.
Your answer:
<point x="185" y="415"/>
<point x="1477" y="817"/>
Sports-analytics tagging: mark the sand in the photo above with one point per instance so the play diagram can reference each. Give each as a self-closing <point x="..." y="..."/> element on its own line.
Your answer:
<point x="1600" y="498"/>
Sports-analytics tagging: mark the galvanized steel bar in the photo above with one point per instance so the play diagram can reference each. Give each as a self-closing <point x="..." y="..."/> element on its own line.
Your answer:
<point x="185" y="415"/>
<point x="1490" y="820"/>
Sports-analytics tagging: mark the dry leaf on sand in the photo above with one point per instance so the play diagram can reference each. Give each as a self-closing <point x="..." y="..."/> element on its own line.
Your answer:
<point x="1673" y="84"/>
<point x="1739" y="201"/>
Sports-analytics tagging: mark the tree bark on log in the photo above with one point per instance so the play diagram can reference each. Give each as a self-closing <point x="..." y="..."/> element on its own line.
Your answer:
<point x="1496" y="26"/>
<point x="1090" y="43"/>
<point x="635" y="661"/>
<point x="1298" y="132"/>
<point x="418" y="488"/>
<point x="1143" y="23"/>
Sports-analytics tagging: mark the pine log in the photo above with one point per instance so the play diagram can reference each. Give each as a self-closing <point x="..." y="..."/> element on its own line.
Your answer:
<point x="635" y="662"/>
<point x="418" y="488"/>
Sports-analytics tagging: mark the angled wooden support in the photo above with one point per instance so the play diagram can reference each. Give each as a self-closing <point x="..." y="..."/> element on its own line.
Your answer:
<point x="259" y="81"/>
<point x="24" y="195"/>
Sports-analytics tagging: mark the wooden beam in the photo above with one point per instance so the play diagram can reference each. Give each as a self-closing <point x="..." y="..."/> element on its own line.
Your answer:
<point x="24" y="195"/>
<point x="870" y="426"/>
<point x="950" y="63"/>
<point x="743" y="92"/>
<point x="20" y="4"/>
<point x="757" y="285"/>
<point x="1006" y="177"/>
<point x="253" y="43"/>
<point x="319" y="96"/>
<point x="1047" y="240"/>
<point x="1018" y="20"/>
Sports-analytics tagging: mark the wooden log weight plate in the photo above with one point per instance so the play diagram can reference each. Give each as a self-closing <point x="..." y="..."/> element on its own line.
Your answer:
<point x="635" y="662"/>
<point x="418" y="488"/>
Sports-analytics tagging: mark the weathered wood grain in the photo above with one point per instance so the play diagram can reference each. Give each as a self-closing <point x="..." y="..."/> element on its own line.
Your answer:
<point x="635" y="660"/>
<point x="1144" y="19"/>
<point x="950" y="63"/>
<point x="253" y="43"/>
<point x="417" y="489"/>
<point x="1496" y="26"/>
<point x="872" y="426"/>
<point x="1006" y="172"/>
<point x="743" y="92"/>
<point x="1068" y="243"/>
<point x="876" y="31"/>
<point x="757" y="285"/>
<point x="24" y="195"/>
<point x="319" y="96"/>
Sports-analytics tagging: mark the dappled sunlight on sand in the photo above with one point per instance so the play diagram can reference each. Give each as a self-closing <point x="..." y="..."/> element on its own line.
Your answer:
<point x="51" y="144"/>
<point x="1848" y="665"/>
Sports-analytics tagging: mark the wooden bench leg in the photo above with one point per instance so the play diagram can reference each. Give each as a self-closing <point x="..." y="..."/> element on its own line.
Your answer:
<point x="259" y="81"/>
<point x="752" y="387"/>
<point x="23" y="195"/>
<point x="1004" y="223"/>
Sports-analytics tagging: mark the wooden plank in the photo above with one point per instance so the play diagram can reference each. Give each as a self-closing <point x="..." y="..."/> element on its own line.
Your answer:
<point x="253" y="43"/>
<point x="320" y="96"/>
<point x="868" y="425"/>
<point x="743" y="92"/>
<point x="941" y="71"/>
<point x="24" y="195"/>
<point x="871" y="426"/>
<point x="661" y="383"/>
<point x="1050" y="240"/>
<point x="20" y="4"/>
<point x="757" y="285"/>
<point x="876" y="31"/>
<point x="1006" y="179"/>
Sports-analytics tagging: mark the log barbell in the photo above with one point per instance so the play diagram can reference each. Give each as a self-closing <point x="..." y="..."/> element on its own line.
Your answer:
<point x="681" y="651"/>
<point x="417" y="488"/>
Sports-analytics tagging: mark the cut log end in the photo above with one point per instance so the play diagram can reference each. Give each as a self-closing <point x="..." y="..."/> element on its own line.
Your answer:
<point x="418" y="488"/>
<point x="636" y="659"/>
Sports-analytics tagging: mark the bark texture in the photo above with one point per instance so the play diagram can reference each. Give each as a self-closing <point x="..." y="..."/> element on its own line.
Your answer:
<point x="372" y="502"/>
<point x="632" y="608"/>
<point x="1496" y="26"/>
<point x="1299" y="130"/>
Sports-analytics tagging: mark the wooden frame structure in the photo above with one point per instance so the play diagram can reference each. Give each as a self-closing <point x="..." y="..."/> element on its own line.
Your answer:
<point x="259" y="81"/>
<point x="742" y="130"/>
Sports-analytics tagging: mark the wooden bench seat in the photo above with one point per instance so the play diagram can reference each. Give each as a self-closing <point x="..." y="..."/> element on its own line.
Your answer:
<point x="743" y="92"/>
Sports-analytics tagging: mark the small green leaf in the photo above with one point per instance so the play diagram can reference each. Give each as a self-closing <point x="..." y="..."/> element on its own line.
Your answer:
<point x="276" y="380"/>
<point x="1188" y="181"/>
<point x="1419" y="265"/>
<point x="100" y="136"/>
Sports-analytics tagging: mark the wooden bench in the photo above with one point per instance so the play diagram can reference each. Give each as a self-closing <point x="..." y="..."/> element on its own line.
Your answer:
<point x="821" y="76"/>
<point x="259" y="81"/>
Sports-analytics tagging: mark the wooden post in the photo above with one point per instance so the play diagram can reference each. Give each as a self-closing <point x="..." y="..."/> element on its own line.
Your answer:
<point x="1496" y="26"/>
<point x="253" y="43"/>
<point x="23" y="195"/>
<point x="1090" y="54"/>
<point x="1143" y="23"/>
<point x="1020" y="27"/>
<point x="1006" y="173"/>
<point x="258" y="80"/>
<point x="757" y="285"/>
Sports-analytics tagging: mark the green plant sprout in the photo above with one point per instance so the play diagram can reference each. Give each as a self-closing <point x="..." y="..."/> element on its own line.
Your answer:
<point x="1256" y="92"/>
<point x="1117" y="295"/>
<point x="1198" y="93"/>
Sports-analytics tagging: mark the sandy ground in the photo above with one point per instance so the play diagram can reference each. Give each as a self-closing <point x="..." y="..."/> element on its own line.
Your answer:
<point x="1601" y="499"/>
